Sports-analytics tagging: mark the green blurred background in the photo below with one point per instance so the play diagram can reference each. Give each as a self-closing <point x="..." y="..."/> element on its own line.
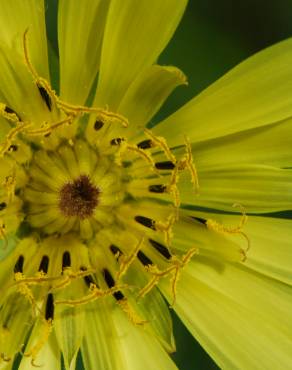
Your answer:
<point x="213" y="36"/>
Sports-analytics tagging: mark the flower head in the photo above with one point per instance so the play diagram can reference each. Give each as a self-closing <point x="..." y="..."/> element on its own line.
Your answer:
<point x="101" y="216"/>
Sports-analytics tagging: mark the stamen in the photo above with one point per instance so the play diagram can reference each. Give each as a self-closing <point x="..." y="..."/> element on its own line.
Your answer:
<point x="111" y="117"/>
<point x="172" y="187"/>
<point x="88" y="278"/>
<point x="151" y="284"/>
<point x="185" y="163"/>
<point x="161" y="249"/>
<point x="217" y="227"/>
<point x="142" y="153"/>
<point x="117" y="141"/>
<point x="26" y="55"/>
<point x="122" y="301"/>
<point x="5" y="358"/>
<point x="115" y="251"/>
<point x="49" y="314"/>
<point x="124" y="146"/>
<point x="144" y="259"/>
<point x="22" y="287"/>
<point x="102" y="114"/>
<point x="159" y="188"/>
<point x="119" y="296"/>
<point x="13" y="148"/>
<point x="145" y="144"/>
<point x="166" y="227"/>
<point x="9" y="185"/>
<point x="188" y="162"/>
<point x="66" y="260"/>
<point x="173" y="165"/>
<point x="49" y="94"/>
<point x="68" y="276"/>
<point x="96" y="293"/>
<point x="145" y="221"/>
<point x="98" y="125"/>
<point x="126" y="261"/>
<point x="176" y="266"/>
<point x="111" y="283"/>
<point x="35" y="280"/>
<point x="161" y="142"/>
<point x="9" y="113"/>
<point x="3" y="234"/>
<point x="45" y="96"/>
<point x="18" y="267"/>
<point x="48" y="327"/>
<point x="11" y="136"/>
<point x="201" y="220"/>
<point x="44" y="265"/>
<point x="166" y="165"/>
<point x="47" y="129"/>
<point x="3" y="205"/>
<point x="131" y="314"/>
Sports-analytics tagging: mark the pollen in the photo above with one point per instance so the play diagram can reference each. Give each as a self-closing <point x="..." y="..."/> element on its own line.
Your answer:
<point x="79" y="198"/>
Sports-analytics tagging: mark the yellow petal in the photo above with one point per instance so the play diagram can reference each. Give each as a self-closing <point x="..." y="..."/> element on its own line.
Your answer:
<point x="100" y="348"/>
<point x="257" y="188"/>
<point x="270" y="238"/>
<point x="4" y="129"/>
<point x="145" y="96"/>
<point x="239" y="332"/>
<point x="147" y="349"/>
<point x="18" y="15"/>
<point x="16" y="314"/>
<point x="189" y="232"/>
<point x="5" y="249"/>
<point x="136" y="32"/>
<point x="18" y="89"/>
<point x="153" y="309"/>
<point x="69" y="329"/>
<point x="255" y="93"/>
<point x="80" y="32"/>
<point x="270" y="298"/>
<point x="49" y="356"/>
<point x="270" y="145"/>
<point x="271" y="248"/>
<point x="112" y="342"/>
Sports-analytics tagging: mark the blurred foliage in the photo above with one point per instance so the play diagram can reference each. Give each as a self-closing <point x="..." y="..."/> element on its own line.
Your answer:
<point x="213" y="37"/>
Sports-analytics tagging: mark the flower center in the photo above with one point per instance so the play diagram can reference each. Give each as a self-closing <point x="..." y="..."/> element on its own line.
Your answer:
<point x="72" y="189"/>
<point x="79" y="198"/>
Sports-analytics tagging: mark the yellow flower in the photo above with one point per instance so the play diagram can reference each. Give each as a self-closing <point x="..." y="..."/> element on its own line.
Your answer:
<point x="101" y="217"/>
